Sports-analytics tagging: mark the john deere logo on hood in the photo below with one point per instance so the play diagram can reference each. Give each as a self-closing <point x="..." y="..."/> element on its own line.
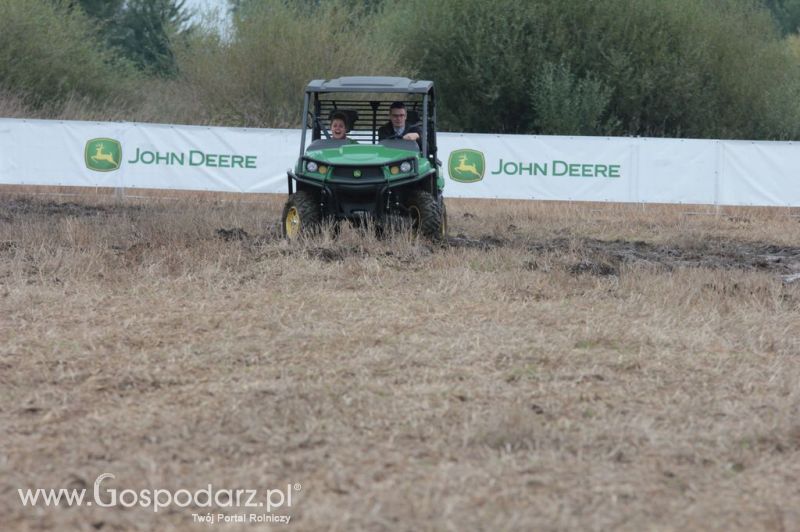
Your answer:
<point x="466" y="166"/>
<point x="103" y="155"/>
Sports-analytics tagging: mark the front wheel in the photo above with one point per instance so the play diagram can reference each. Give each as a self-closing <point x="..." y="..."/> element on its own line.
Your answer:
<point x="301" y="215"/>
<point x="428" y="215"/>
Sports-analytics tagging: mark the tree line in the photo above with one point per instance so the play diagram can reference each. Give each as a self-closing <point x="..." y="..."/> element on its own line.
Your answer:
<point x="684" y="68"/>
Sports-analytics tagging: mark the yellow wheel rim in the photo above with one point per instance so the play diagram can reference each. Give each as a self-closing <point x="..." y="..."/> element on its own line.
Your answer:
<point x="292" y="223"/>
<point x="415" y="217"/>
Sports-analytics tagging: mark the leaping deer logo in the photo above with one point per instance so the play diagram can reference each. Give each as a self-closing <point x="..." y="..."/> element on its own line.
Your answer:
<point x="100" y="155"/>
<point x="465" y="168"/>
<point x="103" y="155"/>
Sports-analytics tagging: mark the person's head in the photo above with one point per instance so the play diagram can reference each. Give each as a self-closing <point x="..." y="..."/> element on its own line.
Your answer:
<point x="397" y="115"/>
<point x="339" y="125"/>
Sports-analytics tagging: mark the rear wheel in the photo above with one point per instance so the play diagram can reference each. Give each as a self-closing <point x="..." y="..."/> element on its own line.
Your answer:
<point x="301" y="215"/>
<point x="428" y="215"/>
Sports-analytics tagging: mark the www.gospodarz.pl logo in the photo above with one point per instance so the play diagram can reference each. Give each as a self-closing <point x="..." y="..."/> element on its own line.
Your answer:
<point x="466" y="166"/>
<point x="238" y="505"/>
<point x="103" y="155"/>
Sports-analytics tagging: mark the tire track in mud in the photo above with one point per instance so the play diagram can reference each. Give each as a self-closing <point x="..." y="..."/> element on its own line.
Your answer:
<point x="605" y="257"/>
<point x="584" y="255"/>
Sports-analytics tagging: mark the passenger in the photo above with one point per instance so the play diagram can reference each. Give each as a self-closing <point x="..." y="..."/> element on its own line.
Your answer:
<point x="396" y="128"/>
<point x="339" y="127"/>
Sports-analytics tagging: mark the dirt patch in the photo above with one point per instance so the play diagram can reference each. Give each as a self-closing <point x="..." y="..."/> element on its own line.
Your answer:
<point x="234" y="234"/>
<point x="602" y="257"/>
<point x="340" y="253"/>
<point x="251" y="241"/>
<point x="595" y="268"/>
<point x="485" y="242"/>
<point x="337" y="254"/>
<point x="605" y="257"/>
<point x="16" y="207"/>
<point x="7" y="246"/>
<point x="713" y="253"/>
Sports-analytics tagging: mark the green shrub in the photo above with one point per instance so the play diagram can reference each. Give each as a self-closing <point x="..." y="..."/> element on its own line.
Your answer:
<point x="480" y="54"/>
<point x="257" y="76"/>
<point x="49" y="53"/>
<point x="566" y="105"/>
<point x="678" y="68"/>
<point x="683" y="68"/>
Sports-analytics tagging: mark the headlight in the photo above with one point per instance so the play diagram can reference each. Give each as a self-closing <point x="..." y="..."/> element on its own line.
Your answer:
<point x="323" y="169"/>
<point x="311" y="166"/>
<point x="405" y="167"/>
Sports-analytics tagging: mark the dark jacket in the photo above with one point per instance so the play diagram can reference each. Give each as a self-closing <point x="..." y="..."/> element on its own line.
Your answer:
<point x="387" y="130"/>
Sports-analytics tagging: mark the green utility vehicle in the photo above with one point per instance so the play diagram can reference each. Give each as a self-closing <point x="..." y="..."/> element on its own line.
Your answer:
<point x="387" y="180"/>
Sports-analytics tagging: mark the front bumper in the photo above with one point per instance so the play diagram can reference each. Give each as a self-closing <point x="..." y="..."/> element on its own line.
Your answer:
<point x="351" y="198"/>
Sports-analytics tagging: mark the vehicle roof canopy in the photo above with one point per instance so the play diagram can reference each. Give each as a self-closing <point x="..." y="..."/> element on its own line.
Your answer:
<point x="370" y="84"/>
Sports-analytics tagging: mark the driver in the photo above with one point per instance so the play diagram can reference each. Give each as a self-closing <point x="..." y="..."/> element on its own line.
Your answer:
<point x="396" y="128"/>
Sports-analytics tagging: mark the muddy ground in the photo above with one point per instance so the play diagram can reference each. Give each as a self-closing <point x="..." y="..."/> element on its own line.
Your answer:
<point x="596" y="256"/>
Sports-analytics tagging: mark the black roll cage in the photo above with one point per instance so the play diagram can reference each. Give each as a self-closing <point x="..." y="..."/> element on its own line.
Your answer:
<point x="367" y="115"/>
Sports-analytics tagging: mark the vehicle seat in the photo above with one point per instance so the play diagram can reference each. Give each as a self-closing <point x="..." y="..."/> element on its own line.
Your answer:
<point x="412" y="117"/>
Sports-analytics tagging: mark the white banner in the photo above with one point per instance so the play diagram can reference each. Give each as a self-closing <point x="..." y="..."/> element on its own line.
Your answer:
<point x="760" y="173"/>
<point x="538" y="167"/>
<point x="676" y="170"/>
<point x="131" y="156"/>
<point x="127" y="155"/>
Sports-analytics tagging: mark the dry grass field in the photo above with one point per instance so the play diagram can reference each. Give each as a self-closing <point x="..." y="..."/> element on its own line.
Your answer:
<point x="551" y="366"/>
